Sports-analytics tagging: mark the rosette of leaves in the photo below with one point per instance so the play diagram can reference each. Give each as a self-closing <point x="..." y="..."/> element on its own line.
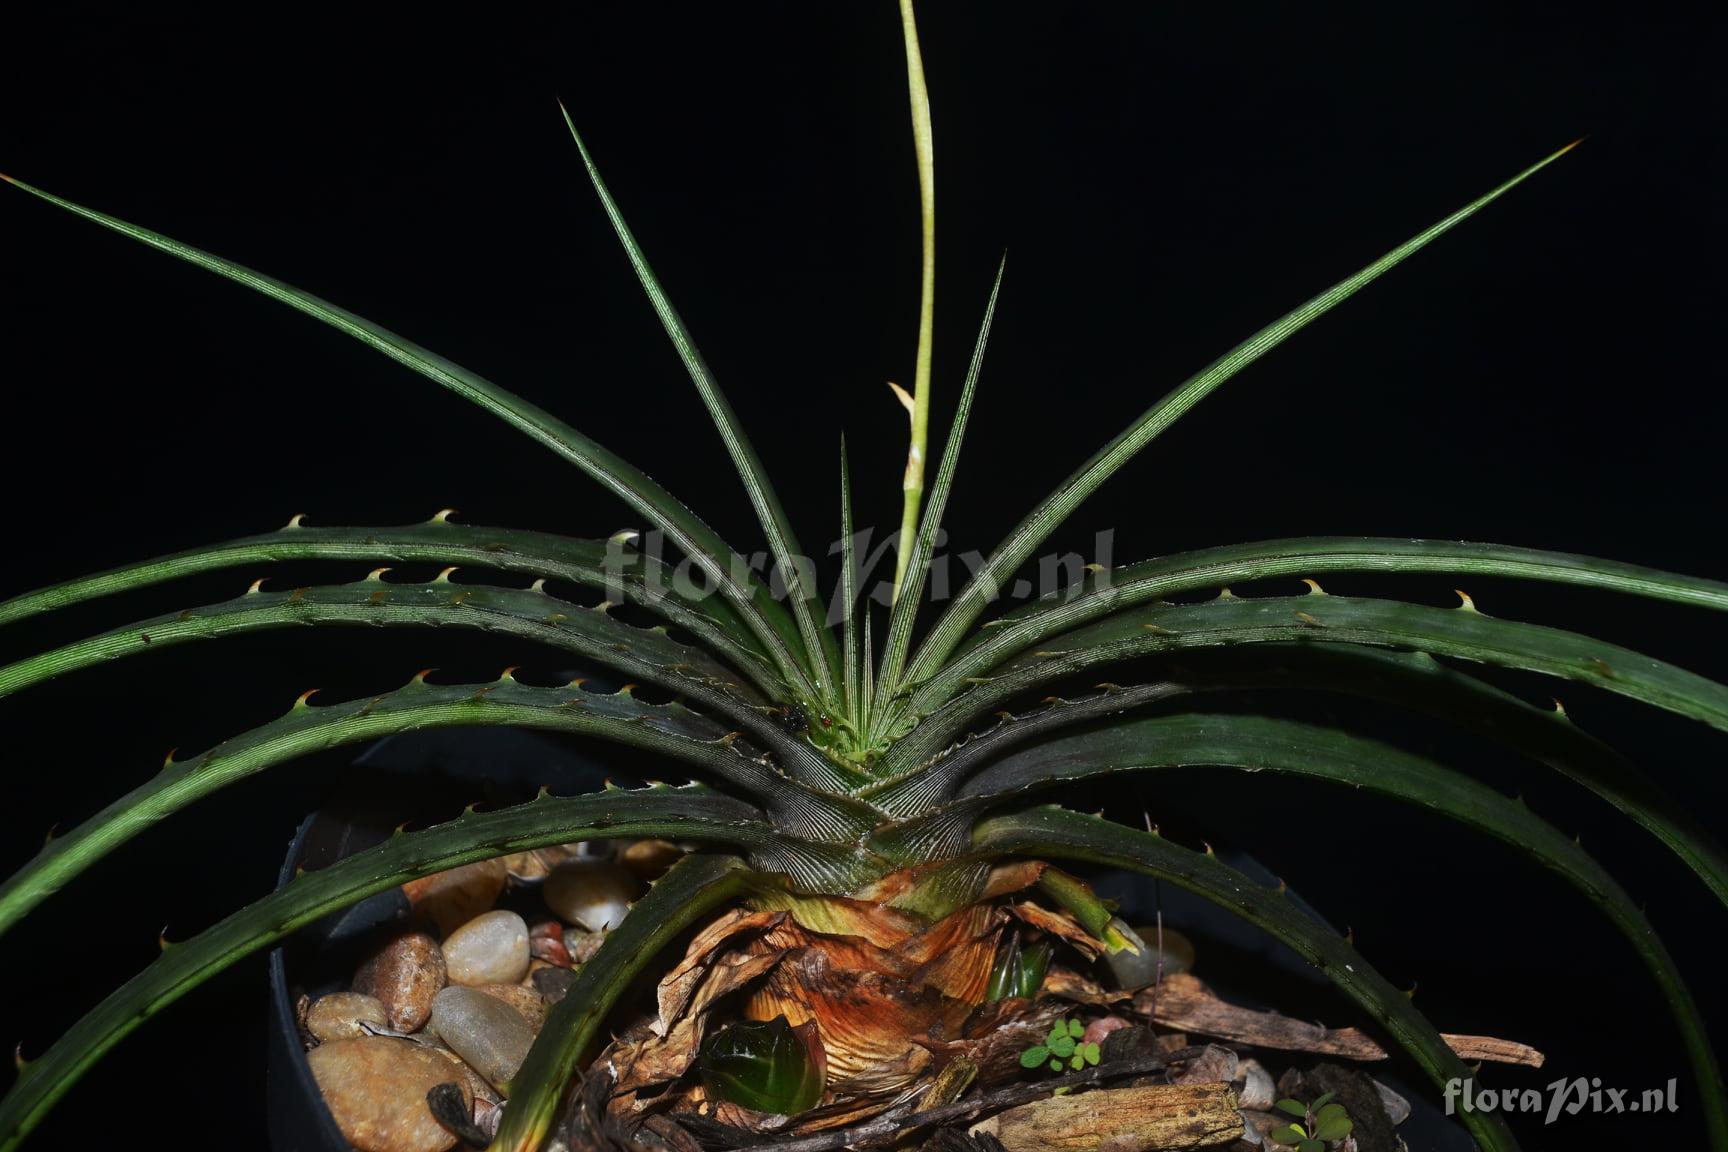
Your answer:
<point x="1062" y="1050"/>
<point x="872" y="779"/>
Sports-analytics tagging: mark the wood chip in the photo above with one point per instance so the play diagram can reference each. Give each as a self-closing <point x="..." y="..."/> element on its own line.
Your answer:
<point x="1185" y="1003"/>
<point x="1143" y="1119"/>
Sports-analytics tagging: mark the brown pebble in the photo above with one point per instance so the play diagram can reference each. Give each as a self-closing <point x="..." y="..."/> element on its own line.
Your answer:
<point x="339" y="1016"/>
<point x="405" y="974"/>
<point x="650" y="859"/>
<point x="452" y="898"/>
<point x="546" y="942"/>
<point x="375" y="1088"/>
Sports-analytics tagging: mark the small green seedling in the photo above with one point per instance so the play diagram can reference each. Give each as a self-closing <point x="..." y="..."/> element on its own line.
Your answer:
<point x="1320" y="1124"/>
<point x="1061" y="1049"/>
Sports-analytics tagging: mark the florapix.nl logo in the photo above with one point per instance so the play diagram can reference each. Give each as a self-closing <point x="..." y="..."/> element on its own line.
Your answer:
<point x="1561" y="1097"/>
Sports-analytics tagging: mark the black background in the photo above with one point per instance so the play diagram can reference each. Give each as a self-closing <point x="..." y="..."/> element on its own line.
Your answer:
<point x="1166" y="178"/>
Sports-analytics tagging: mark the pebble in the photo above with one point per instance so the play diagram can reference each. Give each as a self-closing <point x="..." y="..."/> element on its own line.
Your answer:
<point x="532" y="866"/>
<point x="404" y="975"/>
<point x="375" y="1088"/>
<point x="482" y="1092"/>
<point x="450" y="899"/>
<point x="553" y="983"/>
<point x="582" y="945"/>
<point x="486" y="1032"/>
<point x="594" y="894"/>
<point x="339" y="1016"/>
<point x="489" y="949"/>
<point x="546" y="942"/>
<point x="650" y="859"/>
<point x="528" y="1003"/>
<point x="1214" y="1065"/>
<point x="1257" y="1090"/>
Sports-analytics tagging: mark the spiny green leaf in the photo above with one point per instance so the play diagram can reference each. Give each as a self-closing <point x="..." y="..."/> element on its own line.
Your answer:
<point x="1464" y="633"/>
<point x="695" y="886"/>
<point x="607" y="565"/>
<point x="1123" y="588"/>
<point x="668" y="730"/>
<point x="766" y="617"/>
<point x="818" y="641"/>
<point x="1037" y="526"/>
<point x="1054" y="833"/>
<point x="850" y="656"/>
<point x="675" y="813"/>
<point x="905" y="609"/>
<point x="1259" y="743"/>
<point x="646" y="654"/>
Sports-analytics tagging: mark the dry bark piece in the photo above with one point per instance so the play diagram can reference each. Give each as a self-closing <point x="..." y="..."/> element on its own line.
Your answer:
<point x="1070" y="985"/>
<point x="1182" y="1001"/>
<point x="1145" y="1119"/>
<point x="1061" y="925"/>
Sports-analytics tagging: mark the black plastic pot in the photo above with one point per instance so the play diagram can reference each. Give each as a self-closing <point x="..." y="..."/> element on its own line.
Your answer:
<point x="429" y="775"/>
<point x="420" y="777"/>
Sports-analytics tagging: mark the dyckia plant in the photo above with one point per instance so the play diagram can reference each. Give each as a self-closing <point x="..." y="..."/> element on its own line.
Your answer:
<point x="877" y="783"/>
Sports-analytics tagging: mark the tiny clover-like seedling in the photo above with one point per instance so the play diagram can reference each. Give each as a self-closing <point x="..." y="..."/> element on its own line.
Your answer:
<point x="1319" y="1124"/>
<point x="1061" y="1049"/>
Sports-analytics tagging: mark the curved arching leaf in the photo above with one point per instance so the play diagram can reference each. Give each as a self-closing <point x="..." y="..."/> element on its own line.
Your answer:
<point x="695" y="886"/>
<point x="1461" y="632"/>
<point x="766" y="617"/>
<point x="1042" y="520"/>
<point x="676" y="813"/>
<point x="647" y="654"/>
<point x="1411" y="680"/>
<point x="1122" y="588"/>
<point x="1056" y="834"/>
<point x="1259" y="743"/>
<point x="670" y="730"/>
<point x="607" y="565"/>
